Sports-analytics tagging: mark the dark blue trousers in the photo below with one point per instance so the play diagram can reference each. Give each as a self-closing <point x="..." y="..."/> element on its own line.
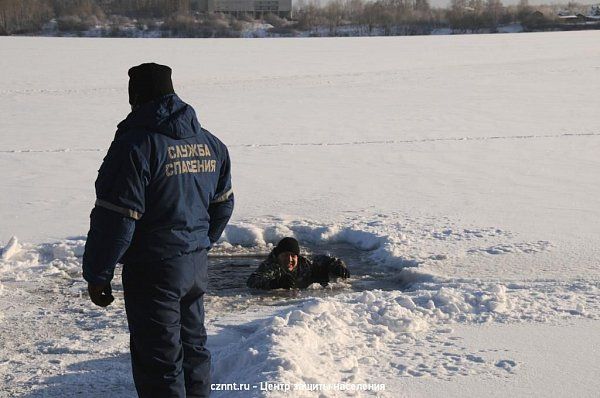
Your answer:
<point x="165" y="312"/>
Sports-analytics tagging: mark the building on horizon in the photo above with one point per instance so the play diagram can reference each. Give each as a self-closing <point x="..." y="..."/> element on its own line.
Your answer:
<point x="258" y="8"/>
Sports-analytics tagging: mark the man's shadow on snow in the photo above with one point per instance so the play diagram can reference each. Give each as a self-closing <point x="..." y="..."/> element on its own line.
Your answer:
<point x="102" y="377"/>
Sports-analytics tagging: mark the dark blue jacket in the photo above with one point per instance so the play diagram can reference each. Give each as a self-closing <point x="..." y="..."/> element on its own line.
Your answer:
<point x="163" y="190"/>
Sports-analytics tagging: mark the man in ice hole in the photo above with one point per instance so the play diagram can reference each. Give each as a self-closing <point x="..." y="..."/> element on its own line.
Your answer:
<point x="285" y="268"/>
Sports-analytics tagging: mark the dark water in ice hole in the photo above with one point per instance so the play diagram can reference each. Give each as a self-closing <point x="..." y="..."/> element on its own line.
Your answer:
<point x="227" y="277"/>
<point x="228" y="274"/>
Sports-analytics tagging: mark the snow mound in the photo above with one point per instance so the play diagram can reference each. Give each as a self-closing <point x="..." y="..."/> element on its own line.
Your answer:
<point x="11" y="248"/>
<point x="27" y="262"/>
<point x="261" y="235"/>
<point x="244" y="235"/>
<point x="391" y="241"/>
<point x="320" y="341"/>
<point x="68" y="249"/>
<point x="350" y="337"/>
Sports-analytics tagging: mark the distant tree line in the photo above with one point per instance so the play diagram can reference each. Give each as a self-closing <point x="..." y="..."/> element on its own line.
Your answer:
<point x="183" y="18"/>
<point x="23" y="16"/>
<point x="407" y="17"/>
<point x="18" y="16"/>
<point x="477" y="15"/>
<point x="393" y="16"/>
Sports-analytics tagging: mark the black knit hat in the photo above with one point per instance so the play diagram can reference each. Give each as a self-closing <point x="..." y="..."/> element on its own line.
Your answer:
<point x="287" y="245"/>
<point x="148" y="82"/>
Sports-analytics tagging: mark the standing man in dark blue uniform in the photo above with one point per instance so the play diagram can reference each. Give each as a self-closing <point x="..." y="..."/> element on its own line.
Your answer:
<point x="164" y="197"/>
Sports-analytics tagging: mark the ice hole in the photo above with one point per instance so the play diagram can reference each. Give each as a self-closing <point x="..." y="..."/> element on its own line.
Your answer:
<point x="228" y="274"/>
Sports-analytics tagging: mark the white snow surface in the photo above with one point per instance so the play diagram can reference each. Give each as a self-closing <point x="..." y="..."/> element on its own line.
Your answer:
<point x="462" y="168"/>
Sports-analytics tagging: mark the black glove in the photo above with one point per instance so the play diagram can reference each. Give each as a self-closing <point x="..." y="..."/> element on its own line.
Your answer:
<point x="101" y="295"/>
<point x="339" y="269"/>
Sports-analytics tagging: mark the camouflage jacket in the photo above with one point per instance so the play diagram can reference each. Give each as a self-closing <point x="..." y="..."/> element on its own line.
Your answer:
<point x="320" y="269"/>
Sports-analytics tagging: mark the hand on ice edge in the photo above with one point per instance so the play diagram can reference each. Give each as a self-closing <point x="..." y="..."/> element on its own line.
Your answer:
<point x="101" y="295"/>
<point x="340" y="269"/>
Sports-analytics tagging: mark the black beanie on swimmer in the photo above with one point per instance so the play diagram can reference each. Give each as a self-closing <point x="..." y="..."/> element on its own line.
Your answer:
<point x="148" y="82"/>
<point x="287" y="245"/>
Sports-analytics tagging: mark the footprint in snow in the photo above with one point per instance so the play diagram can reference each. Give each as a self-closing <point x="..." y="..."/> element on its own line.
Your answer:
<point x="506" y="364"/>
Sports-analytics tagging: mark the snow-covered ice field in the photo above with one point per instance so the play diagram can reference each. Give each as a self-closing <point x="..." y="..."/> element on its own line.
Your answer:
<point x="458" y="175"/>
